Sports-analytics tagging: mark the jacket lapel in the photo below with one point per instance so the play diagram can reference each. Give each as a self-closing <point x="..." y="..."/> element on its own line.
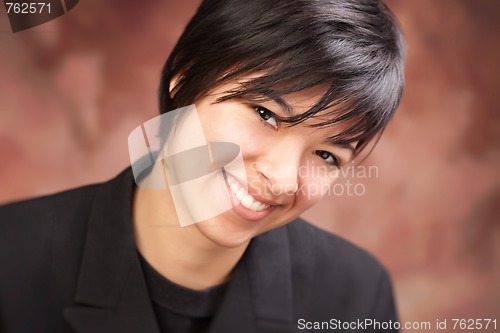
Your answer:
<point x="111" y="293"/>
<point x="112" y="296"/>
<point x="259" y="296"/>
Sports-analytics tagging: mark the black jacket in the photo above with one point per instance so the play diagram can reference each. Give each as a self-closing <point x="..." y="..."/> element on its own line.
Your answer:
<point x="68" y="263"/>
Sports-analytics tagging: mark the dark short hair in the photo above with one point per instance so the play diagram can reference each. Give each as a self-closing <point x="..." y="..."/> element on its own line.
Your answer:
<point x="352" y="48"/>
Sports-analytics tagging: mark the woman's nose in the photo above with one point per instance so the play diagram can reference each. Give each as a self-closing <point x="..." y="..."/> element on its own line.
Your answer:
<point x="281" y="169"/>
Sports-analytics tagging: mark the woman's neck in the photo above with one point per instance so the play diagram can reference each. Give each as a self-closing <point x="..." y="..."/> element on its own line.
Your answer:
<point x="184" y="255"/>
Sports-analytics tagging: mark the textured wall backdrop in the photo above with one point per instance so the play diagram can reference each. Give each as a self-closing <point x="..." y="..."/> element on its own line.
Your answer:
<point x="426" y="202"/>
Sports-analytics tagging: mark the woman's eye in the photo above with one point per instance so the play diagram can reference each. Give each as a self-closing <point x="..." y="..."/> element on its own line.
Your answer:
<point x="329" y="158"/>
<point x="267" y="116"/>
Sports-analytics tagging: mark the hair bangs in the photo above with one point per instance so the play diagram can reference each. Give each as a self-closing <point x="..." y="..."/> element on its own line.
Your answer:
<point x="353" y="50"/>
<point x="341" y="104"/>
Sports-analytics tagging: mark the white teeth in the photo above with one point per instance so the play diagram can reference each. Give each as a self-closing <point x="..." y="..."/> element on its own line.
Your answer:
<point x="240" y="194"/>
<point x="255" y="206"/>
<point x="246" y="199"/>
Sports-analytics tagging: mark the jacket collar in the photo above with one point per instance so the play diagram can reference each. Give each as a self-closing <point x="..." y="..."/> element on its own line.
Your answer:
<point x="111" y="292"/>
<point x="259" y="296"/>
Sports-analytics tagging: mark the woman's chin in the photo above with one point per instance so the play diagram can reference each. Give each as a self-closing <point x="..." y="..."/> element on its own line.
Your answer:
<point x="228" y="231"/>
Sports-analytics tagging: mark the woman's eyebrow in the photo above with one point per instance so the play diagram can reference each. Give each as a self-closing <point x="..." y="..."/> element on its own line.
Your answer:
<point x="341" y="145"/>
<point x="284" y="106"/>
<point x="287" y="109"/>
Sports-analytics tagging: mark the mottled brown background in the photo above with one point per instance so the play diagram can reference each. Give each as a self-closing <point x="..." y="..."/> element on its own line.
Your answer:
<point x="72" y="90"/>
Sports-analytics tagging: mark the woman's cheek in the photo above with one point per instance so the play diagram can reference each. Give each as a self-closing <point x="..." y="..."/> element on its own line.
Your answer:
<point x="310" y="193"/>
<point x="225" y="126"/>
<point x="313" y="188"/>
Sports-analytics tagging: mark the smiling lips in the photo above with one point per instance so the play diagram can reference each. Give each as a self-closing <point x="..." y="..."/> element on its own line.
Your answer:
<point x="241" y="194"/>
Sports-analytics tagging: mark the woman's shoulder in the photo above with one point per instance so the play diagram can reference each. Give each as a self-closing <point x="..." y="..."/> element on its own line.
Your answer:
<point x="72" y="206"/>
<point x="329" y="249"/>
<point x="35" y="233"/>
<point x="40" y="212"/>
<point x="334" y="277"/>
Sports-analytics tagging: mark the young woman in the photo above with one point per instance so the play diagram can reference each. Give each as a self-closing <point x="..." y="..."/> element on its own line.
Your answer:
<point x="300" y="88"/>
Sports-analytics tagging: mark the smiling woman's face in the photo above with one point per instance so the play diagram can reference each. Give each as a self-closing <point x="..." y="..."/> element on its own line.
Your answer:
<point x="288" y="169"/>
